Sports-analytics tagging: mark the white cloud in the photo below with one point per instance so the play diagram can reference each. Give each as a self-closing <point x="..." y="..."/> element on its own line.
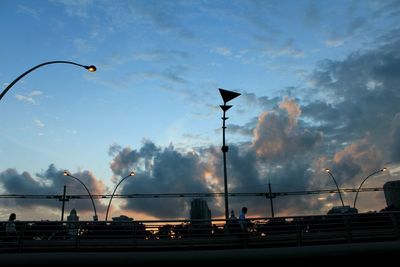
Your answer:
<point x="75" y="7"/>
<point x="28" y="98"/>
<point x="288" y="50"/>
<point x="223" y="51"/>
<point x="38" y="123"/>
<point x="28" y="10"/>
<point x="334" y="42"/>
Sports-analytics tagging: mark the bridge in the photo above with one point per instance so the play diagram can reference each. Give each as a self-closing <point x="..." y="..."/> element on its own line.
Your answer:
<point x="358" y="238"/>
<point x="57" y="236"/>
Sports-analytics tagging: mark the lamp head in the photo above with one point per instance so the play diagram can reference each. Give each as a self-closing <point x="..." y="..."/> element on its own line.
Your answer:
<point x="328" y="170"/>
<point x="228" y="95"/>
<point x="66" y="173"/>
<point x="91" y="68"/>
<point x="132" y="174"/>
<point x="384" y="169"/>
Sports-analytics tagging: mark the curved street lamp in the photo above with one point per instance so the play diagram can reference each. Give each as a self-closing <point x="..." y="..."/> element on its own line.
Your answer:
<point x="66" y="173"/>
<point x="90" y="68"/>
<point x="359" y="188"/>
<point x="340" y="194"/>
<point x="115" y="189"/>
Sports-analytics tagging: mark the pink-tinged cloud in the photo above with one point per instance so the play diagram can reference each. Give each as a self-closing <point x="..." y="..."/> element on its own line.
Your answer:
<point x="278" y="136"/>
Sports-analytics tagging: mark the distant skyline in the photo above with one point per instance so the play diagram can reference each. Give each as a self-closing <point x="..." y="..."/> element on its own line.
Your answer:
<point x="319" y="83"/>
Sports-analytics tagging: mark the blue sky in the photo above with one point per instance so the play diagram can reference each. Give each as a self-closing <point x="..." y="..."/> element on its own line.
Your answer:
<point x="317" y="78"/>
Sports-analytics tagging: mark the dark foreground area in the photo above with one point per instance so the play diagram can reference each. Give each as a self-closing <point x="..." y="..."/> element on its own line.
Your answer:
<point x="324" y="255"/>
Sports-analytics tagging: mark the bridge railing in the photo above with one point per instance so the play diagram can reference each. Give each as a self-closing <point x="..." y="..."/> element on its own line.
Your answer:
<point x="48" y="236"/>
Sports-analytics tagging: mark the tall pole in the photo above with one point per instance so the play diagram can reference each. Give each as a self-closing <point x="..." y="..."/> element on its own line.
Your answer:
<point x="224" y="151"/>
<point x="270" y="199"/>
<point x="115" y="189"/>
<point x="340" y="194"/>
<point x="95" y="218"/>
<point x="226" y="96"/>
<point x="359" y="188"/>
<point x="63" y="203"/>
<point x="90" y="68"/>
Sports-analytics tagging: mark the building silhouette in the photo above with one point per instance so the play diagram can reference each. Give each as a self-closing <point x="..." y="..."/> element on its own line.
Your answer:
<point x="342" y="209"/>
<point x="73" y="216"/>
<point x="392" y="194"/>
<point x="199" y="210"/>
<point x="72" y="224"/>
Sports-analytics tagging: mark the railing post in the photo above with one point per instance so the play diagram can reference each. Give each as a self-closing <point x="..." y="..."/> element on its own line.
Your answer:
<point x="20" y="238"/>
<point x="347" y="228"/>
<point x="299" y="233"/>
<point x="396" y="227"/>
<point x="78" y="226"/>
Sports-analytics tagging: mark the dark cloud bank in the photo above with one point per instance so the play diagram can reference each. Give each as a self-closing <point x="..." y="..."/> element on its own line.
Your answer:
<point x="352" y="127"/>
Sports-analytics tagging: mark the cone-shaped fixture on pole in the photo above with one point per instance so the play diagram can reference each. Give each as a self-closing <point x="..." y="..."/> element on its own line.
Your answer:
<point x="225" y="107"/>
<point x="228" y="95"/>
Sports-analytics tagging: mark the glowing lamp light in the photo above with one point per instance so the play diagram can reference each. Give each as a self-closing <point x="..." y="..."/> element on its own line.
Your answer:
<point x="91" y="68"/>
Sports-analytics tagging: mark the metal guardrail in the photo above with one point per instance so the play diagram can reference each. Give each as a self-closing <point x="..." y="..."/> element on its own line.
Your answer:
<point x="56" y="236"/>
<point x="194" y="195"/>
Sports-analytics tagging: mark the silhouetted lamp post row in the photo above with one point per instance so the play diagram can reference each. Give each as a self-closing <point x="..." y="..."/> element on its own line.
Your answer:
<point x="90" y="68"/>
<point x="359" y="188"/>
<point x="115" y="189"/>
<point x="66" y="173"/>
<point x="226" y="96"/>
<point x="334" y="180"/>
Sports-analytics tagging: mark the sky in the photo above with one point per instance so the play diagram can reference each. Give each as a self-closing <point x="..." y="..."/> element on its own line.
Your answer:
<point x="319" y="89"/>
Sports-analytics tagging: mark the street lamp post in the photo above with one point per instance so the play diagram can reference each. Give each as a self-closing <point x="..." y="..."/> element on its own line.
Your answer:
<point x="115" y="189"/>
<point x="340" y="194"/>
<point x="90" y="68"/>
<point x="66" y="173"/>
<point x="226" y="96"/>
<point x="365" y="179"/>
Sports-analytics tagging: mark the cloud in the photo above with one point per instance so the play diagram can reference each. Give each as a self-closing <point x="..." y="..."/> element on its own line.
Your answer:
<point x="159" y="170"/>
<point x="38" y="123"/>
<point x="223" y="51"/>
<point x="264" y="102"/>
<point x="161" y="55"/>
<point x="28" y="11"/>
<point x="79" y="8"/>
<point x="30" y="98"/>
<point x="278" y="136"/>
<point x="288" y="49"/>
<point x="51" y="182"/>
<point x="334" y="42"/>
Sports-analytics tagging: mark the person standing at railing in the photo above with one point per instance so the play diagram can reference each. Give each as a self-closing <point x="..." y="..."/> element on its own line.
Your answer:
<point x="11" y="230"/>
<point x="243" y="220"/>
<point x="233" y="223"/>
<point x="243" y="225"/>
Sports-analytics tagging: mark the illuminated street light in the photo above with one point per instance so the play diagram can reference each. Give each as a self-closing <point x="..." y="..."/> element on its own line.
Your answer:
<point x="115" y="189"/>
<point x="340" y="194"/>
<point x="90" y="68"/>
<point x="359" y="188"/>
<point x="66" y="173"/>
<point x="226" y="96"/>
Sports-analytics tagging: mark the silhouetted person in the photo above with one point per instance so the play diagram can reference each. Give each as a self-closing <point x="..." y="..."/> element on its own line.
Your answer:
<point x="232" y="217"/>
<point x="243" y="220"/>
<point x="233" y="224"/>
<point x="243" y="225"/>
<point x="11" y="230"/>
